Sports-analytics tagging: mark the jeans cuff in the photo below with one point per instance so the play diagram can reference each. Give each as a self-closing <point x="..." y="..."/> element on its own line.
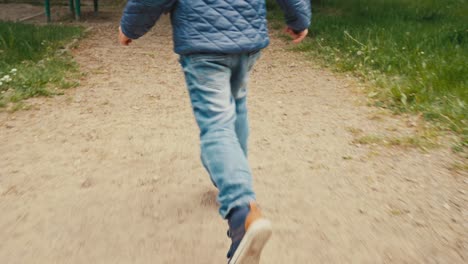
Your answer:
<point x="244" y="201"/>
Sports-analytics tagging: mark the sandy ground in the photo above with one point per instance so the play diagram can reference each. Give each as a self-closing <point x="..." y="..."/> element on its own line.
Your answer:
<point x="110" y="172"/>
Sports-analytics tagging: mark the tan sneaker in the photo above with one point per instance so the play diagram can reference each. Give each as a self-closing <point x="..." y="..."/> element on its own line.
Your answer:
<point x="249" y="233"/>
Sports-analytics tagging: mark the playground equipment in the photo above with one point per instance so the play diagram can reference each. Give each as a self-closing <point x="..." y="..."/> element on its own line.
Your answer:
<point x="75" y="8"/>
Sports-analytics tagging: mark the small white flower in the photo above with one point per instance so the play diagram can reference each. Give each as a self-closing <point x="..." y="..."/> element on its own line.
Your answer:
<point x="6" y="78"/>
<point x="1" y="83"/>
<point x="422" y="52"/>
<point x="359" y="53"/>
<point x="13" y="71"/>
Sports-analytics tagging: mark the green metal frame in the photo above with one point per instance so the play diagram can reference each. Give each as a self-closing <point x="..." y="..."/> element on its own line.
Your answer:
<point x="72" y="6"/>
<point x="47" y="9"/>
<point x="75" y="8"/>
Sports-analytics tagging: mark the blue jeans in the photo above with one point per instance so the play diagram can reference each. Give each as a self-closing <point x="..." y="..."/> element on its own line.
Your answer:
<point x="217" y="85"/>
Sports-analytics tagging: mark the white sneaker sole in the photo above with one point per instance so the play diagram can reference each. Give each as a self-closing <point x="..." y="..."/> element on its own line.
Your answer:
<point x="252" y="243"/>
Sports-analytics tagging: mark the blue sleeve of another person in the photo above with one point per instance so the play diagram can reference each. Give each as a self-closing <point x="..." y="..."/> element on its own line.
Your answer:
<point x="298" y="13"/>
<point x="139" y="16"/>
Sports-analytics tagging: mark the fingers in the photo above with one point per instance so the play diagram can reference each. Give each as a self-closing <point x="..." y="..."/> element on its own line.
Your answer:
<point x="301" y="36"/>
<point x="290" y="32"/>
<point x="297" y="37"/>
<point x="124" y="40"/>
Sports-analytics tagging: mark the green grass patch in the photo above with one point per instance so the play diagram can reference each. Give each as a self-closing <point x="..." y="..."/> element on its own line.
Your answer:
<point x="413" y="52"/>
<point x="29" y="62"/>
<point x="423" y="141"/>
<point x="458" y="166"/>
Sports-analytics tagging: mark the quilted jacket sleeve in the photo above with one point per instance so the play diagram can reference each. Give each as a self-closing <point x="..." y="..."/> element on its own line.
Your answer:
<point x="139" y="16"/>
<point x="297" y="13"/>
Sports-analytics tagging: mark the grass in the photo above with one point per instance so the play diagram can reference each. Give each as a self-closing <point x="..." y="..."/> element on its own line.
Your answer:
<point x="459" y="167"/>
<point x="421" y="141"/>
<point x="29" y="62"/>
<point x="412" y="52"/>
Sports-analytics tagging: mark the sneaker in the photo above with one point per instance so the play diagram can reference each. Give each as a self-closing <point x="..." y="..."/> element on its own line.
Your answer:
<point x="249" y="232"/>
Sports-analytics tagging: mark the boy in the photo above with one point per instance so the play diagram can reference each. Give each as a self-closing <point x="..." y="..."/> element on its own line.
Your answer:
<point x="218" y="42"/>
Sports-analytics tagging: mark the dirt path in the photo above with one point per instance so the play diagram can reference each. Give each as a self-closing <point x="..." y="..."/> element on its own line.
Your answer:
<point x="110" y="172"/>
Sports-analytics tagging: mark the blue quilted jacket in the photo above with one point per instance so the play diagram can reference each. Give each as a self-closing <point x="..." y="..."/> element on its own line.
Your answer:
<point x="213" y="26"/>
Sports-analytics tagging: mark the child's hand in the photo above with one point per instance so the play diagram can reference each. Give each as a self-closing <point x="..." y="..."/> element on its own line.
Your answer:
<point x="298" y="37"/>
<point x="124" y="40"/>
